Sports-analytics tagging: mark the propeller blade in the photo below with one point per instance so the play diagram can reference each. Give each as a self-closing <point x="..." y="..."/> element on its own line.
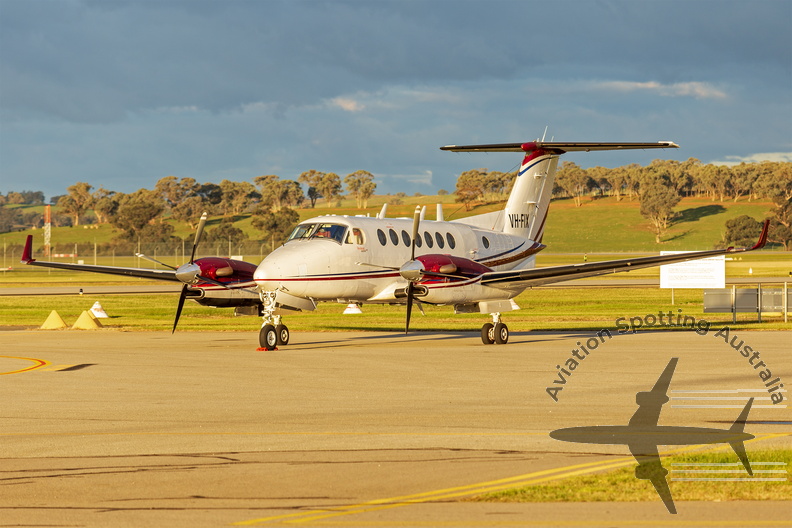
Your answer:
<point x="179" y="307"/>
<point x="155" y="261"/>
<point x="409" y="306"/>
<point x="416" y="223"/>
<point x="198" y="235"/>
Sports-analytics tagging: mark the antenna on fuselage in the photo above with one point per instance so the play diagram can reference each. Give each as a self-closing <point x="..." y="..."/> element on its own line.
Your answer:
<point x="545" y="132"/>
<point x="440" y="217"/>
<point x="383" y="211"/>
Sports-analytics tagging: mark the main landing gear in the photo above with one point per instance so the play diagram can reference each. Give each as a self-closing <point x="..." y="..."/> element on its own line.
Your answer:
<point x="495" y="332"/>
<point x="273" y="333"/>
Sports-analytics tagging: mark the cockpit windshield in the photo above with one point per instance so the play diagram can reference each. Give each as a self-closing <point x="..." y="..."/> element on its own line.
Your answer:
<point x="315" y="231"/>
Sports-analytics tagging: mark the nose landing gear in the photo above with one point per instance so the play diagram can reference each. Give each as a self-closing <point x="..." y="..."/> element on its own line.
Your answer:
<point x="273" y="333"/>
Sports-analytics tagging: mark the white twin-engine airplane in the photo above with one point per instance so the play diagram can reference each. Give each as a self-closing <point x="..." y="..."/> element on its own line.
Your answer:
<point x="477" y="264"/>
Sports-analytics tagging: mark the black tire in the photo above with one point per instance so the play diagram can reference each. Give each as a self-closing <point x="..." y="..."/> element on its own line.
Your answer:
<point x="501" y="334"/>
<point x="283" y="334"/>
<point x="488" y="334"/>
<point x="268" y="337"/>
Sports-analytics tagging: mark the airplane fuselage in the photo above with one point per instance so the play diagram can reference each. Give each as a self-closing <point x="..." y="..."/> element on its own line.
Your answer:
<point x="356" y="259"/>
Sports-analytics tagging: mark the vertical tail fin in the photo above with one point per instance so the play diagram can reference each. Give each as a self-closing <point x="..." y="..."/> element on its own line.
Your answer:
<point x="526" y="209"/>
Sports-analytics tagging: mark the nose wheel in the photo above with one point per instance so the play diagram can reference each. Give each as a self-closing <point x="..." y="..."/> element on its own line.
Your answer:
<point x="271" y="336"/>
<point x="495" y="332"/>
<point x="273" y="333"/>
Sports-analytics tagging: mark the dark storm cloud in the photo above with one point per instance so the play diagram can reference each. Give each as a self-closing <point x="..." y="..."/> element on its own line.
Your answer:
<point x="95" y="61"/>
<point x="123" y="93"/>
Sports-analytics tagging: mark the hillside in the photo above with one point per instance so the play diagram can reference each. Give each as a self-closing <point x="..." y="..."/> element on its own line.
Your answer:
<point x="604" y="224"/>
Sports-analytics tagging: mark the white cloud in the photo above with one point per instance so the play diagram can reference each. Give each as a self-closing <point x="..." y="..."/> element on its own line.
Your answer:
<point x="699" y="90"/>
<point x="347" y="104"/>
<point x="755" y="158"/>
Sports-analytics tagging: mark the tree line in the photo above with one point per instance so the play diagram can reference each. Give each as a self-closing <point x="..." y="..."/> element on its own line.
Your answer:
<point x="139" y="216"/>
<point x="270" y="200"/>
<point x="658" y="187"/>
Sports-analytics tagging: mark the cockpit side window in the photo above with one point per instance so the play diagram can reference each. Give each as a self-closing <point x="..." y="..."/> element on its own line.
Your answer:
<point x="355" y="236"/>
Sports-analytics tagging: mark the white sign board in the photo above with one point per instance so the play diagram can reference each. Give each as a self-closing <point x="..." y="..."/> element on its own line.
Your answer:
<point x="708" y="272"/>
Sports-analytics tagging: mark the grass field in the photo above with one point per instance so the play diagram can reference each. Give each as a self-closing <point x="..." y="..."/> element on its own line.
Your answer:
<point x="545" y="309"/>
<point x="621" y="485"/>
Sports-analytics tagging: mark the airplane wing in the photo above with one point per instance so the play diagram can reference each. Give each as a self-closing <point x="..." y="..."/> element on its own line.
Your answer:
<point x="650" y="468"/>
<point x="145" y="273"/>
<point x="549" y="275"/>
<point x="650" y="403"/>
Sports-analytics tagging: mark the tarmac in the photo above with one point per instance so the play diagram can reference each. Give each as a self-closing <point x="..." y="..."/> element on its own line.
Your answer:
<point x="117" y="428"/>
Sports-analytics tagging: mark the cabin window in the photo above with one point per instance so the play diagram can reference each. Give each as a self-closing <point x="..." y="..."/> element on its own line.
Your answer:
<point x="381" y="236"/>
<point x="428" y="238"/>
<point x="394" y="237"/>
<point x="440" y="242"/>
<point x="451" y="241"/>
<point x="355" y="236"/>
<point x="485" y="241"/>
<point x="418" y="242"/>
<point x="405" y="238"/>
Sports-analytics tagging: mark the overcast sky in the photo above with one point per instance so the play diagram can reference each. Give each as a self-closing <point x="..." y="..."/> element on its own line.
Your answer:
<point x="122" y="93"/>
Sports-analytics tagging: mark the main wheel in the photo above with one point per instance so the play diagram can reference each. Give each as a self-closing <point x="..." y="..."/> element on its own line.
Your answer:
<point x="268" y="337"/>
<point x="283" y="334"/>
<point x="501" y="334"/>
<point x="488" y="334"/>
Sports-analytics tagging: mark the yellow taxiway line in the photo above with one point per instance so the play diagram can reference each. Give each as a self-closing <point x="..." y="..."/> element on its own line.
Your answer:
<point x="536" y="477"/>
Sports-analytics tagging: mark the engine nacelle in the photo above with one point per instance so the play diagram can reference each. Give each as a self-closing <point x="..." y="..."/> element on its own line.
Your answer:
<point x="451" y="265"/>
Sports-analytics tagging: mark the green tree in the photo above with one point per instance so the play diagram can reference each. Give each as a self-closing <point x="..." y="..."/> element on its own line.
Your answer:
<point x="361" y="186"/>
<point x="276" y="226"/>
<point x="137" y="210"/>
<point x="8" y="218"/>
<point x="330" y="187"/>
<point x="189" y="210"/>
<point x="77" y="201"/>
<point x="313" y="196"/>
<point x="743" y="177"/>
<point x="226" y="234"/>
<point x="105" y="205"/>
<point x="574" y="181"/>
<point x="741" y="231"/>
<point x="313" y="180"/>
<point x="658" y="197"/>
<point x="277" y="193"/>
<point x="175" y="191"/>
<point x="237" y="197"/>
<point x="470" y="187"/>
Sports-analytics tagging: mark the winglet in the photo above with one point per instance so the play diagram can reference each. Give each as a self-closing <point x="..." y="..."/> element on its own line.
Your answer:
<point x="763" y="237"/>
<point x="27" y="253"/>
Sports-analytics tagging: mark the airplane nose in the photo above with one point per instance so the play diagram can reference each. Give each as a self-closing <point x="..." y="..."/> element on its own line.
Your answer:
<point x="296" y="266"/>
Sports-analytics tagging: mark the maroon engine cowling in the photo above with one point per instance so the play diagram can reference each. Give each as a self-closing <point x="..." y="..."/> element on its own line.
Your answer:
<point x="217" y="268"/>
<point x="451" y="265"/>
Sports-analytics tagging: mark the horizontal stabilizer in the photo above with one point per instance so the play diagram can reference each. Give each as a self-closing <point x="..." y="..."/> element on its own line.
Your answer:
<point x="559" y="147"/>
